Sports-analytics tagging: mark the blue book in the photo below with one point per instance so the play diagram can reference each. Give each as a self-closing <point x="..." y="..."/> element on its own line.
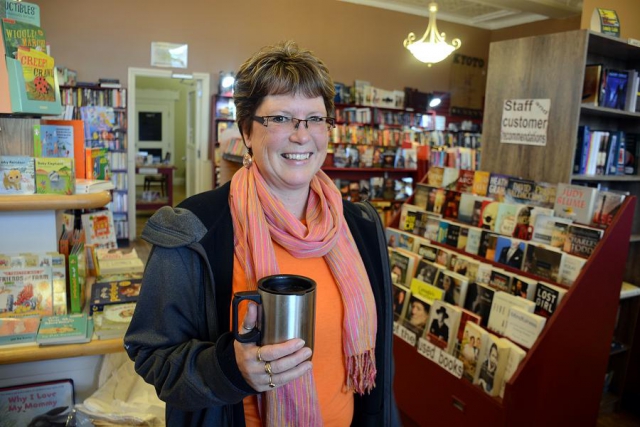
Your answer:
<point x="65" y="329"/>
<point x="582" y="150"/>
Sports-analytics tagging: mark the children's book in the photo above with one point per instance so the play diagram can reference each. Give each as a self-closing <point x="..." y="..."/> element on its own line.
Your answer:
<point x="20" y="11"/>
<point x="109" y="292"/>
<point x="26" y="405"/>
<point x="77" y="277"/>
<point x="113" y="321"/>
<point x="18" y="175"/>
<point x="19" y="33"/>
<point x="65" y="329"/>
<point x="100" y="125"/>
<point x="99" y="229"/>
<point x="18" y="330"/>
<point x="26" y="291"/>
<point x="54" y="175"/>
<point x="39" y="74"/>
<point x="97" y="163"/>
<point x="61" y="138"/>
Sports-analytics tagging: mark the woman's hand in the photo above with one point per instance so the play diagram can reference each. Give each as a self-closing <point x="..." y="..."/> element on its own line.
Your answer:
<point x="287" y="360"/>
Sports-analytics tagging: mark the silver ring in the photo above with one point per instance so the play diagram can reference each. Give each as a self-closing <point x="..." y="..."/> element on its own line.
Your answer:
<point x="267" y="368"/>
<point x="246" y="329"/>
<point x="258" y="355"/>
<point x="271" y="384"/>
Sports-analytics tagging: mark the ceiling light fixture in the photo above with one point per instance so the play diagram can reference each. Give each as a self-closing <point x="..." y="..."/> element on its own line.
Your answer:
<point x="432" y="47"/>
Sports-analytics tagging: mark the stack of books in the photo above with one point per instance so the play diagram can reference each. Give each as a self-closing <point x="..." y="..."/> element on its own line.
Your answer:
<point x="65" y="329"/>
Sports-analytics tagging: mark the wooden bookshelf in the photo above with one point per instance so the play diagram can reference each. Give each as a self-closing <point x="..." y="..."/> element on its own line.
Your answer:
<point x="31" y="352"/>
<point x="43" y="202"/>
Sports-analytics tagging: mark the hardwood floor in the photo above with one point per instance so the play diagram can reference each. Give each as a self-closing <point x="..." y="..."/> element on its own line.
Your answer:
<point x="615" y="419"/>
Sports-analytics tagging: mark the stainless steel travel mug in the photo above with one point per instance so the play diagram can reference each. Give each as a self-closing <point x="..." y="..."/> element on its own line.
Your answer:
<point x="287" y="309"/>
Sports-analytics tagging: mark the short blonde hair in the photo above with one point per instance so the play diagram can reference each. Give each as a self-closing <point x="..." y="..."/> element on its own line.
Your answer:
<point x="281" y="69"/>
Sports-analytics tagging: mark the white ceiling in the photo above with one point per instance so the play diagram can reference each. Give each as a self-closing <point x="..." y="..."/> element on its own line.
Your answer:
<point x="487" y="14"/>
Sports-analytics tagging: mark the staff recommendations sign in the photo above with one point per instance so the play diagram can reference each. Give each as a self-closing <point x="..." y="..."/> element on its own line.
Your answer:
<point x="525" y="121"/>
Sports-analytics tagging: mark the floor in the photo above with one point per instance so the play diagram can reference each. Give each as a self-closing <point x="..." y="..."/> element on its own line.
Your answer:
<point x="616" y="419"/>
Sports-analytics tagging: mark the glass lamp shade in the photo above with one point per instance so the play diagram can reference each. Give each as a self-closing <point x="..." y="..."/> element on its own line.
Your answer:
<point x="432" y="47"/>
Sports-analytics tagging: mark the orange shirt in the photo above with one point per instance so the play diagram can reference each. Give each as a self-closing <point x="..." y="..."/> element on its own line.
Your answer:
<point x="329" y="370"/>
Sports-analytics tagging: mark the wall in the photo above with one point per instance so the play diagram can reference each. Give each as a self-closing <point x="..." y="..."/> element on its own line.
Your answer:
<point x="180" y="115"/>
<point x="103" y="39"/>
<point x="628" y="13"/>
<point x="538" y="28"/>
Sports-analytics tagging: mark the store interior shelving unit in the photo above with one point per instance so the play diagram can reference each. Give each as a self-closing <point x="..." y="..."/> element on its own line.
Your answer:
<point x="553" y="67"/>
<point x="116" y="98"/>
<point x="222" y="116"/>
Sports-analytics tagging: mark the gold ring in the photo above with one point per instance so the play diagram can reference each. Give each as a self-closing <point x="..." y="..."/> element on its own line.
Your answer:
<point x="267" y="368"/>
<point x="258" y="355"/>
<point x="271" y="384"/>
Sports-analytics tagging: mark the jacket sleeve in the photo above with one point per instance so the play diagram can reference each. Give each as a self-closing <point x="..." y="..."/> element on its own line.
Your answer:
<point x="168" y="338"/>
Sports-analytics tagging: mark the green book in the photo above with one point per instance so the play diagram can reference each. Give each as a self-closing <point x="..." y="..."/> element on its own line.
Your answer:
<point x="65" y="329"/>
<point x="17" y="33"/>
<point x="77" y="276"/>
<point x="55" y="175"/>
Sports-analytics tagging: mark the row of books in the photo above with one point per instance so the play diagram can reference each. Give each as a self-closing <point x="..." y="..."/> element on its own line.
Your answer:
<point x="600" y="152"/>
<point x="367" y="156"/>
<point x="375" y="188"/>
<point x="461" y="158"/>
<point x="464" y="194"/>
<point x="610" y="87"/>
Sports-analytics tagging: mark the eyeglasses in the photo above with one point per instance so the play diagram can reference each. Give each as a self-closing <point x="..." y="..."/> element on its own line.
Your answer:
<point x="290" y="124"/>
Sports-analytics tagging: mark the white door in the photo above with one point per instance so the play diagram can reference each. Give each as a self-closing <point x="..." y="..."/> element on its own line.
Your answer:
<point x="191" y="165"/>
<point x="199" y="166"/>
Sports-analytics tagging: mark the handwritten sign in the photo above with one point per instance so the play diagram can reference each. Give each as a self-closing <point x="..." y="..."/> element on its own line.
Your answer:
<point x="405" y="334"/>
<point x="440" y="357"/>
<point x="525" y="121"/>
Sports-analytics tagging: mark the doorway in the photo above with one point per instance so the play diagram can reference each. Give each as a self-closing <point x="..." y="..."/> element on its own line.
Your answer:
<point x="194" y="142"/>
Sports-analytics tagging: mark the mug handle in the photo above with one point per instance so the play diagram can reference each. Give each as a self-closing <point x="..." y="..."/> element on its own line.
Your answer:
<point x="254" y="334"/>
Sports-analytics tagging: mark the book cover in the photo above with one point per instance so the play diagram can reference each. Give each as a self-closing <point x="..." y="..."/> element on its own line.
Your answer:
<point x="470" y="208"/>
<point x="523" y="228"/>
<point x="516" y="355"/>
<point x="473" y="240"/>
<point x="548" y="297"/>
<point x="20" y="11"/>
<point x="545" y="225"/>
<point x="454" y="287"/>
<point x="497" y="186"/>
<point x="421" y="195"/>
<point x="64" y="329"/>
<point x="426" y="250"/>
<point x="26" y="291"/>
<point x="19" y="33"/>
<point x="485" y="237"/>
<point x="443" y="231"/>
<point x="443" y="257"/>
<point x="395" y="239"/>
<point x="500" y="280"/>
<point x="544" y="195"/>
<point x="472" y="341"/>
<point x="506" y="218"/>
<point x="613" y="88"/>
<point x="591" y="85"/>
<point x="492" y="363"/>
<point x="523" y="326"/>
<point x="113" y="321"/>
<point x="436" y="200"/>
<point x="110" y="292"/>
<point x="65" y="139"/>
<point x="451" y="204"/>
<point x="465" y="316"/>
<point x="581" y="240"/>
<point x="481" y="183"/>
<point x="39" y="74"/>
<point x="606" y="206"/>
<point x="417" y="316"/>
<point x="403" y="265"/>
<point x="499" y="314"/>
<point x="77" y="278"/>
<point x="488" y="215"/>
<point x="18" y="330"/>
<point x="443" y="324"/>
<point x="426" y="291"/>
<point x="18" y="175"/>
<point x="99" y="230"/>
<point x="478" y="300"/>
<point x="450" y="178"/>
<point x="108" y="267"/>
<point x="54" y="175"/>
<point x="24" y="405"/>
<point x="570" y="269"/>
<point x="400" y="297"/>
<point x="435" y="176"/>
<point x="542" y="261"/>
<point x="575" y="202"/>
<point x="100" y="125"/>
<point x="427" y="271"/>
<point x="519" y="191"/>
<point x="558" y="234"/>
<point x="523" y="287"/>
<point x="465" y="181"/>
<point x="97" y="163"/>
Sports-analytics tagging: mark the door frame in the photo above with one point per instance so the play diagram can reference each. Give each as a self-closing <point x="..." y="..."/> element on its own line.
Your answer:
<point x="203" y="178"/>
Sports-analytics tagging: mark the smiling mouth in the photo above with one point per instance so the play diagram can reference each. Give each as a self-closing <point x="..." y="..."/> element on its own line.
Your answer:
<point x="297" y="156"/>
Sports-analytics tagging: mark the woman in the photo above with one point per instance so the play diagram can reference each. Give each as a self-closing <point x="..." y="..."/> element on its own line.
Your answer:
<point x="279" y="214"/>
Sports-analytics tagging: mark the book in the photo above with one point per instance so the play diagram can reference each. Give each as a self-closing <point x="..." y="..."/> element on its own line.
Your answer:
<point x="465" y="181"/>
<point x="493" y="361"/>
<point x="481" y="183"/>
<point x="548" y="297"/>
<point x="421" y="195"/>
<point x="428" y="271"/>
<point x="473" y="339"/>
<point x="500" y="280"/>
<point x="474" y="236"/>
<point x="497" y="186"/>
<point x="613" y="88"/>
<point x="443" y="324"/>
<point x="113" y="321"/>
<point x="570" y="269"/>
<point x="435" y="176"/>
<point x="451" y="204"/>
<point x="488" y="215"/>
<point x="606" y="206"/>
<point x="454" y="287"/>
<point x="64" y="329"/>
<point x="26" y="291"/>
<point x="575" y="202"/>
<point x="18" y="330"/>
<point x="61" y="138"/>
<point x="544" y="195"/>
<point x="506" y="218"/>
<point x="545" y="225"/>
<point x="499" y="314"/>
<point x="470" y="207"/>
<point x="99" y="229"/>
<point x="426" y="250"/>
<point x="523" y="327"/>
<point x="100" y="125"/>
<point x="39" y="74"/>
<point x="77" y="278"/>
<point x="18" y="175"/>
<point x="426" y="291"/>
<point x="27" y="405"/>
<point x="519" y="190"/>
<point x="543" y="261"/>
<point x="465" y="316"/>
<point x="97" y="163"/>
<point x="54" y="175"/>
<point x="403" y="265"/>
<point x="86" y="186"/>
<point x="516" y="355"/>
<point x="400" y="297"/>
<point x="417" y="314"/>
<point x="479" y="299"/>
<point x="20" y="11"/>
<point x="436" y="200"/>
<point x="400" y="239"/>
<point x="581" y="240"/>
<point x="450" y="178"/>
<point x="107" y="292"/>
<point x="558" y="234"/>
<point x="591" y="85"/>
<point x="523" y="287"/>
<point x="19" y="33"/>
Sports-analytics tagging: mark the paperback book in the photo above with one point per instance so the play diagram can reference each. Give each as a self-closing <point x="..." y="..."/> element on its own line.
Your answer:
<point x="18" y="33"/>
<point x="65" y="329"/>
<point x="105" y="293"/>
<point x="113" y="321"/>
<point x="492" y="361"/>
<point x="548" y="297"/>
<point x="575" y="202"/>
<point x="26" y="291"/>
<point x="516" y="355"/>
<point x="443" y="324"/>
<point x="18" y="175"/>
<point x="39" y="74"/>
<point x="400" y="297"/>
<point x="18" y="330"/>
<point x="524" y="327"/>
<point x="499" y="314"/>
<point x="473" y="338"/>
<point x="542" y="261"/>
<point x="581" y="240"/>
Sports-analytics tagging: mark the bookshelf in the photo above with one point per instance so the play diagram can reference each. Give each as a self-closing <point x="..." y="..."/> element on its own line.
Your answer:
<point x="74" y="97"/>
<point x="553" y="67"/>
<point x="222" y="117"/>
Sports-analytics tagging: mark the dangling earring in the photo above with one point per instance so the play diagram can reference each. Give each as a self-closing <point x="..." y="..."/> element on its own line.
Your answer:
<point x="247" y="159"/>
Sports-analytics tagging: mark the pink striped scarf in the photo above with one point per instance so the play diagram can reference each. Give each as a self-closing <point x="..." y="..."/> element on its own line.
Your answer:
<point x="259" y="217"/>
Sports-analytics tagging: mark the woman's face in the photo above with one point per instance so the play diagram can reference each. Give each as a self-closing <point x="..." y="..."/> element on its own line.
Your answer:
<point x="289" y="158"/>
<point x="493" y="359"/>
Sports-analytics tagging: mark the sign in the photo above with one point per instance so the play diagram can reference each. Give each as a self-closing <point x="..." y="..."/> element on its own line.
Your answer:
<point x="525" y="121"/>
<point x="171" y="55"/>
<point x="605" y="21"/>
<point x="441" y="358"/>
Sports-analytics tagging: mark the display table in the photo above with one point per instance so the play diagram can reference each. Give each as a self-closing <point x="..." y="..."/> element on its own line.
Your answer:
<point x="156" y="169"/>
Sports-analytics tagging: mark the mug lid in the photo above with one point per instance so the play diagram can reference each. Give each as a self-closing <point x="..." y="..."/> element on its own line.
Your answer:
<point x="287" y="284"/>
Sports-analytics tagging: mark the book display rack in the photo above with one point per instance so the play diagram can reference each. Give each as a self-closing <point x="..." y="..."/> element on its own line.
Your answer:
<point x="553" y="67"/>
